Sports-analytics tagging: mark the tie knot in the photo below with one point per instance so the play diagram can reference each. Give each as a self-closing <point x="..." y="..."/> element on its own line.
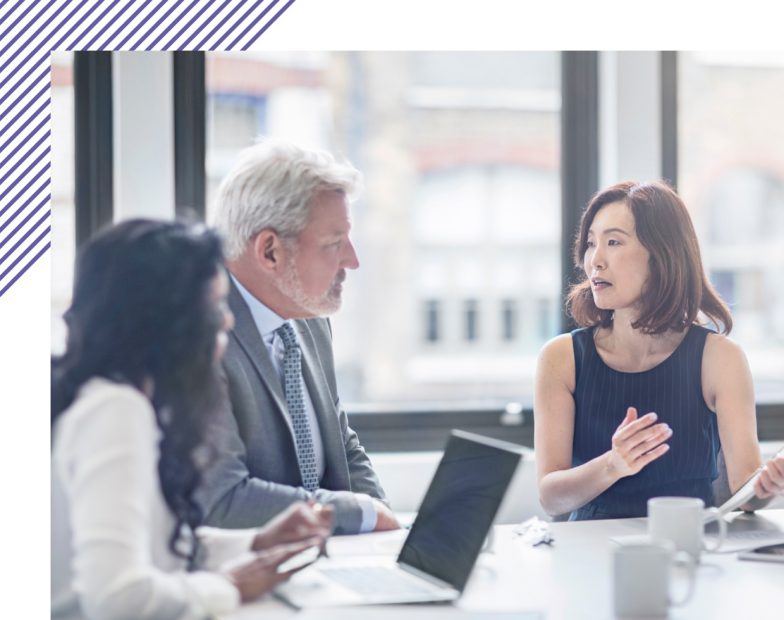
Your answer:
<point x="286" y="333"/>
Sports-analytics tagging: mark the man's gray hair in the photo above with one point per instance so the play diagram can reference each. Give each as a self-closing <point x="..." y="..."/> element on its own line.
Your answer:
<point x="271" y="186"/>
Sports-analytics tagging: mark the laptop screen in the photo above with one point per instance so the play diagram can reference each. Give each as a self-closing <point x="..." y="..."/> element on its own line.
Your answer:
<point x="459" y="507"/>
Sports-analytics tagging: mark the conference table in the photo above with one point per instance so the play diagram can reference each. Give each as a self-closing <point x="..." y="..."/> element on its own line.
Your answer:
<point x="572" y="577"/>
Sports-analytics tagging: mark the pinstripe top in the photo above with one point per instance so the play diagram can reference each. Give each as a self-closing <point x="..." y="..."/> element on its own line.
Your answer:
<point x="673" y="389"/>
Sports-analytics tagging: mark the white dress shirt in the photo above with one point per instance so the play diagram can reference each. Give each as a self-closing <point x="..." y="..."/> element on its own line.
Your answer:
<point x="267" y="322"/>
<point x="110" y="523"/>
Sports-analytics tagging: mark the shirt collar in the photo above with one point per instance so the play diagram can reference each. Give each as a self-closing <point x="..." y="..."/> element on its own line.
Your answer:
<point x="265" y="319"/>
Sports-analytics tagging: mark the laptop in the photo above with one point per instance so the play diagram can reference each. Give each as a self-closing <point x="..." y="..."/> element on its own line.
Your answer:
<point x="441" y="549"/>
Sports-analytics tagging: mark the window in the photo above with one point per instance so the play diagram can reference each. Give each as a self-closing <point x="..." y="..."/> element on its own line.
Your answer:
<point x="461" y="207"/>
<point x="471" y="319"/>
<point x="63" y="210"/>
<point x="731" y="177"/>
<point x="508" y="319"/>
<point x="432" y="320"/>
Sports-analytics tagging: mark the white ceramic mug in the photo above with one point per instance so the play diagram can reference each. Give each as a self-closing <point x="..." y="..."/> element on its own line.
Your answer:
<point x="642" y="578"/>
<point x="682" y="520"/>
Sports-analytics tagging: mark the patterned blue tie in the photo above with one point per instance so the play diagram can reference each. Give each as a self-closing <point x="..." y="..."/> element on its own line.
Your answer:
<point x="295" y="399"/>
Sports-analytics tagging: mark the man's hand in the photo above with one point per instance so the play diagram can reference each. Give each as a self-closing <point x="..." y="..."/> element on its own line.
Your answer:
<point x="637" y="442"/>
<point x="385" y="518"/>
<point x="298" y="522"/>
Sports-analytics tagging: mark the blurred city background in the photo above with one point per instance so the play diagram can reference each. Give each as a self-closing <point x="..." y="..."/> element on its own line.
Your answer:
<point x="458" y="229"/>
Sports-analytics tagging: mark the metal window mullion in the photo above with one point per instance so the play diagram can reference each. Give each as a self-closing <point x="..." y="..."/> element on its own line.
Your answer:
<point x="94" y="183"/>
<point x="189" y="134"/>
<point x="579" y="154"/>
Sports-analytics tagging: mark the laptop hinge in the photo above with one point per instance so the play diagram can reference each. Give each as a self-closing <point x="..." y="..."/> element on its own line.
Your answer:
<point x="427" y="577"/>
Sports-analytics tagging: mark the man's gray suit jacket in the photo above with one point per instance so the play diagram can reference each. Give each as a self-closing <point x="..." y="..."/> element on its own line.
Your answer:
<point x="254" y="473"/>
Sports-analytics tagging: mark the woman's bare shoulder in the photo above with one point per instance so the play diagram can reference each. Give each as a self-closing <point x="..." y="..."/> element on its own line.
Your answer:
<point x="556" y="359"/>
<point x="722" y="348"/>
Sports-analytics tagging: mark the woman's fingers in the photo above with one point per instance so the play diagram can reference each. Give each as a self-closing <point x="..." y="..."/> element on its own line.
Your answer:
<point x="652" y="455"/>
<point x="649" y="440"/>
<point x="626" y="430"/>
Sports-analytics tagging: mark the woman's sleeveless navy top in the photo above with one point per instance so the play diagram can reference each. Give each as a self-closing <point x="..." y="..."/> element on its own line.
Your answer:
<point x="673" y="390"/>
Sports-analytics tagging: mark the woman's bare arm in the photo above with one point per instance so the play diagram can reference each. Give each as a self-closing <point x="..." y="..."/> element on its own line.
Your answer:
<point x="729" y="391"/>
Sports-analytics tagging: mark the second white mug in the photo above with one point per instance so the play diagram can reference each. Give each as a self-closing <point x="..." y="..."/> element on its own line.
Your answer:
<point x="682" y="520"/>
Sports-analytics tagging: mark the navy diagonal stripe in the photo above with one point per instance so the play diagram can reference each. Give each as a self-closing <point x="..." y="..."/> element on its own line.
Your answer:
<point x="185" y="27"/>
<point x="16" y="261"/>
<point x="122" y="26"/>
<point x="155" y="25"/>
<point x="26" y="156"/>
<point x="230" y="30"/>
<point x="35" y="98"/>
<point x="23" y="222"/>
<point x="56" y="46"/>
<point x="123" y="9"/>
<point x="25" y="268"/>
<point x="34" y="83"/>
<point x="60" y="26"/>
<point x="253" y="23"/>
<point x="16" y="21"/>
<point x="31" y="39"/>
<point x="171" y="25"/>
<point x="218" y="27"/>
<point x="26" y="187"/>
<point x="139" y="25"/>
<point x="22" y="175"/>
<point x="22" y="79"/>
<point x="207" y="21"/>
<point x="268" y="24"/>
<point x="90" y="27"/>
<point x="19" y="130"/>
<point x="23" y="238"/>
<point x="5" y="224"/>
<point x="32" y="21"/>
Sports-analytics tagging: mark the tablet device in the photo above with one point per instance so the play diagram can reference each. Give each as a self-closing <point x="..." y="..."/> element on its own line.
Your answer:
<point x="769" y="553"/>
<point x="744" y="494"/>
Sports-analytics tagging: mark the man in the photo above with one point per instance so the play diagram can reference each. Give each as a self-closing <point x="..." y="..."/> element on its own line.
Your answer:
<point x="284" y="436"/>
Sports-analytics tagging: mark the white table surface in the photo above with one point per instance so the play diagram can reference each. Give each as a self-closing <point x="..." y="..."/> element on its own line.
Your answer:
<point x="573" y="578"/>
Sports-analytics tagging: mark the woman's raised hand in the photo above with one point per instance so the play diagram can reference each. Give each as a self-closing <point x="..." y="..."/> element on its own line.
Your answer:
<point x="637" y="442"/>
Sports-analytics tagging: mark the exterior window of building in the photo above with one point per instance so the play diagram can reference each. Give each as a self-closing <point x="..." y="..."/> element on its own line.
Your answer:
<point x="508" y="319"/>
<point x="63" y="211"/>
<point x="461" y="201"/>
<point x="731" y="177"/>
<point x="471" y="319"/>
<point x="432" y="317"/>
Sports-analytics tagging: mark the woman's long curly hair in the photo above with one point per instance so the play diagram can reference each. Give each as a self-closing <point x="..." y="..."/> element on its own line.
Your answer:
<point x="142" y="313"/>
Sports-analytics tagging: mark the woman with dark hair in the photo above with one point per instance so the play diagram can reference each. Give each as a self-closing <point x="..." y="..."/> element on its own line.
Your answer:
<point x="637" y="402"/>
<point x="130" y="398"/>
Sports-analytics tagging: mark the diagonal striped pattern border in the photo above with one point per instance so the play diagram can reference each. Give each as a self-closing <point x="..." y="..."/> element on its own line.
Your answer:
<point x="29" y="31"/>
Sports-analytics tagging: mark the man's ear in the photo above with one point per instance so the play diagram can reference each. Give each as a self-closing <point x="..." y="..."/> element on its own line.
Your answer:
<point x="267" y="249"/>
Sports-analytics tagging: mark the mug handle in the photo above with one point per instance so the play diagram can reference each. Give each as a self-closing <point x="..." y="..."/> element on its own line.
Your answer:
<point x="713" y="514"/>
<point x="685" y="559"/>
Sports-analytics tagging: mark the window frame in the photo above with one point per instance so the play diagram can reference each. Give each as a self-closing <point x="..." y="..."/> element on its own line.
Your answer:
<point x="381" y="427"/>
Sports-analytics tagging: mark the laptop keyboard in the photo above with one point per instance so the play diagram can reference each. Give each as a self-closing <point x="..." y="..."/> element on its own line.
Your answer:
<point x="370" y="580"/>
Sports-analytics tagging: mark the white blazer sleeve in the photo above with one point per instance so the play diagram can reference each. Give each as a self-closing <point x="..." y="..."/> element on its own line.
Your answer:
<point x="107" y="455"/>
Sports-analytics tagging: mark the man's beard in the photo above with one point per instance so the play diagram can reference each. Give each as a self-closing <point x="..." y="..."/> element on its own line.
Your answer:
<point x="290" y="285"/>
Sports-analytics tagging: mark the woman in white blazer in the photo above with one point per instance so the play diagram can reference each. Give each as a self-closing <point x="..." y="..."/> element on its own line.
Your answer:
<point x="130" y="400"/>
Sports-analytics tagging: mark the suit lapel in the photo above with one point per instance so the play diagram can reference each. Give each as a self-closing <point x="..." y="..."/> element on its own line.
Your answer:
<point x="247" y="335"/>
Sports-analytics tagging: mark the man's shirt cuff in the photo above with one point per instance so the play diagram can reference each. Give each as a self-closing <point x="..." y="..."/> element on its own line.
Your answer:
<point x="369" y="515"/>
